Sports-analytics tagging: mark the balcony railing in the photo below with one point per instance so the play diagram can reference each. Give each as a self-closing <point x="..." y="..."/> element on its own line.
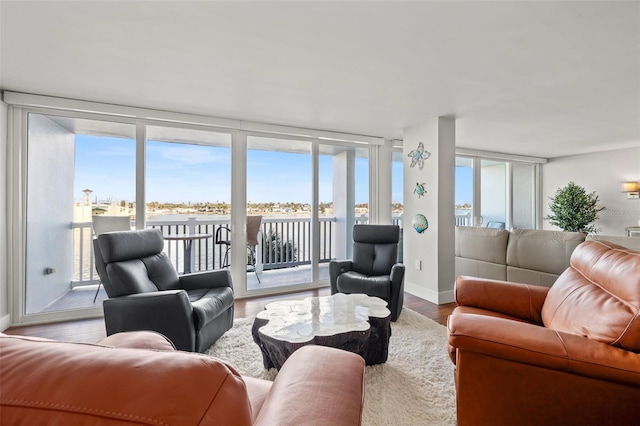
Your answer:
<point x="285" y="242"/>
<point x="463" y="219"/>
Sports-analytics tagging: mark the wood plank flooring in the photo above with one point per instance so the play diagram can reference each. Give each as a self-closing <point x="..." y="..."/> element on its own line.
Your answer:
<point x="92" y="330"/>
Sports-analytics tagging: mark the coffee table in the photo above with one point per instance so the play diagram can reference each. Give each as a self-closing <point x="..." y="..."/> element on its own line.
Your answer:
<point x="354" y="322"/>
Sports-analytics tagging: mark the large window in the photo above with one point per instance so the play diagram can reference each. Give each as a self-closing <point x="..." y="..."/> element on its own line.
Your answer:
<point x="188" y="192"/>
<point x="279" y="189"/>
<point x="464" y="194"/>
<point x="496" y="192"/>
<point x="196" y="183"/>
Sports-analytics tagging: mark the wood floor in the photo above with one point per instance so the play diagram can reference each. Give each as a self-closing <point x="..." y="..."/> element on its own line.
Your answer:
<point x="92" y="330"/>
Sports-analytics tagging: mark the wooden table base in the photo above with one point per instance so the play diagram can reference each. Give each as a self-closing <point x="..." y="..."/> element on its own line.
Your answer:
<point x="371" y="344"/>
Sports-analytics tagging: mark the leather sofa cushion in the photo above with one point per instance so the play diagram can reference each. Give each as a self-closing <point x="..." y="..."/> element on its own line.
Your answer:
<point x="478" y="268"/>
<point x="542" y="250"/>
<point x="73" y="384"/>
<point x="528" y="276"/>
<point x="354" y="282"/>
<point x="138" y="340"/>
<point x="208" y="303"/>
<point x="598" y="296"/>
<point x="484" y="244"/>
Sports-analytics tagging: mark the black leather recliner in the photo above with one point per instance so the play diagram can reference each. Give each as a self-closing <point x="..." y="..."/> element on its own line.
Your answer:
<point x="373" y="269"/>
<point x="146" y="293"/>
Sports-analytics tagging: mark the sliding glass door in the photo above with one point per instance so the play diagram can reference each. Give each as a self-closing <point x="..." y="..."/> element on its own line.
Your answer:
<point x="279" y="194"/>
<point x="464" y="192"/>
<point x="188" y="195"/>
<point x="494" y="193"/>
<point x="497" y="193"/>
<point x="193" y="183"/>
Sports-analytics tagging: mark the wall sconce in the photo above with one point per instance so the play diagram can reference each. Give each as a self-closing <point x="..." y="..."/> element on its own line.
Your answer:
<point x="631" y="189"/>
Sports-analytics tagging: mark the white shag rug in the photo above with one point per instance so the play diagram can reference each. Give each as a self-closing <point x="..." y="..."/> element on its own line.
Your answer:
<point x="414" y="387"/>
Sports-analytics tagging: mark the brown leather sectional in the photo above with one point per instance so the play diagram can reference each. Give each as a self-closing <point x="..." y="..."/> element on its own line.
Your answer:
<point x="565" y="355"/>
<point x="138" y="378"/>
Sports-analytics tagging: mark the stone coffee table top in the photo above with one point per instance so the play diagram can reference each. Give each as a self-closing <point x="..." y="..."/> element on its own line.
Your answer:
<point x="354" y="322"/>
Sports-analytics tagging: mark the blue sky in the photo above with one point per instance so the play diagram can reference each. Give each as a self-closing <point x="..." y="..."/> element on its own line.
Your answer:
<point x="464" y="185"/>
<point x="194" y="173"/>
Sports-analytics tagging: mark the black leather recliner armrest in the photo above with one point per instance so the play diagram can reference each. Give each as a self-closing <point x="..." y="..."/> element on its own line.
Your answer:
<point x="397" y="290"/>
<point x="209" y="279"/>
<point x="168" y="312"/>
<point x="337" y="267"/>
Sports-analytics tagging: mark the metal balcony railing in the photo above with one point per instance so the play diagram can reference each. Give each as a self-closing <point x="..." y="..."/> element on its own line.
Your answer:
<point x="463" y="219"/>
<point x="285" y="242"/>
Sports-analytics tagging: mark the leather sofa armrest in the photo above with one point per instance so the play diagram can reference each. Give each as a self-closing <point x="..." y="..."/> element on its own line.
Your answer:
<point x="337" y="267"/>
<point x="522" y="301"/>
<point x="317" y="385"/>
<point x="141" y="312"/>
<point x="138" y="340"/>
<point x="543" y="347"/>
<point x="209" y="279"/>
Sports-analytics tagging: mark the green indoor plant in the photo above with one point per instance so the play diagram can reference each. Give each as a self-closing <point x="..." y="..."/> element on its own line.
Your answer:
<point x="573" y="209"/>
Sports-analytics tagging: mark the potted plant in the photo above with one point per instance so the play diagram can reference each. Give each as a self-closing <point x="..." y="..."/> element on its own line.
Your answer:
<point x="573" y="209"/>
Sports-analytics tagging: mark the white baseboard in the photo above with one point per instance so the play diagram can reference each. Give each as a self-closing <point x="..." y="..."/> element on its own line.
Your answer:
<point x="5" y="322"/>
<point x="430" y="295"/>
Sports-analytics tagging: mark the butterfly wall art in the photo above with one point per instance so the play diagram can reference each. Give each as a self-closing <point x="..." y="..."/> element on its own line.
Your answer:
<point x="418" y="156"/>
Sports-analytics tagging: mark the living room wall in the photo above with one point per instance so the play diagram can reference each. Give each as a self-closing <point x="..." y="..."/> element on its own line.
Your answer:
<point x="603" y="173"/>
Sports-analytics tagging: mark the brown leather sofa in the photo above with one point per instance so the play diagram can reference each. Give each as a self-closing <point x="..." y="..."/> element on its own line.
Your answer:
<point x="138" y="378"/>
<point x="565" y="355"/>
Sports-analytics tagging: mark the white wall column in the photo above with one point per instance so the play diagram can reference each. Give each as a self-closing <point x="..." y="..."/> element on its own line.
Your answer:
<point x="380" y="171"/>
<point x="239" y="212"/>
<point x="429" y="256"/>
<point x="344" y="201"/>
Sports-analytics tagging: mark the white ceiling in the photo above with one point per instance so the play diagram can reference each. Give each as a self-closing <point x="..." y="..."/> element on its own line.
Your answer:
<point x="543" y="79"/>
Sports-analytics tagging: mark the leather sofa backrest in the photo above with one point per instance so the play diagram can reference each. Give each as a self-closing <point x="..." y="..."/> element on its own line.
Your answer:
<point x="484" y="244"/>
<point x="135" y="263"/>
<point x="542" y="250"/>
<point x="375" y="248"/>
<point x="632" y="243"/>
<point x="49" y="382"/>
<point x="598" y="296"/>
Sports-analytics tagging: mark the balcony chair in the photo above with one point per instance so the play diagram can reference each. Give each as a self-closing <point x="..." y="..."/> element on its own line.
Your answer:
<point x="146" y="293"/>
<point x="253" y="230"/>
<point x="102" y="224"/>
<point x="565" y="355"/>
<point x="373" y="269"/>
<point x="495" y="225"/>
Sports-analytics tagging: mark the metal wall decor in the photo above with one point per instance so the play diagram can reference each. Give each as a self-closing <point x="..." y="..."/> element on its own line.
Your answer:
<point x="418" y="156"/>
<point x="419" y="223"/>
<point x="419" y="189"/>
